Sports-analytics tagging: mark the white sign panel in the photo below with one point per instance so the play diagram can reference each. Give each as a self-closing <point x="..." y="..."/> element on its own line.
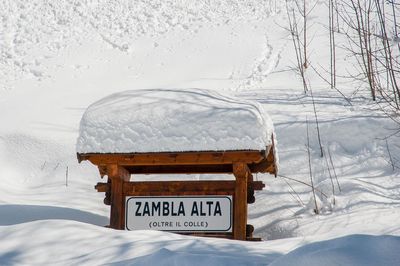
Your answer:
<point x="179" y="213"/>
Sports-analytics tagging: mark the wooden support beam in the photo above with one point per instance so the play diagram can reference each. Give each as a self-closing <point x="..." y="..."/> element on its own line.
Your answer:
<point x="174" y="158"/>
<point x="102" y="170"/>
<point x="180" y="169"/>
<point x="250" y="191"/>
<point x="193" y="169"/>
<point x="190" y="162"/>
<point x="216" y="235"/>
<point x="118" y="171"/>
<point x="177" y="187"/>
<point x="249" y="231"/>
<point x="241" y="172"/>
<point x="118" y="175"/>
<point x="221" y="235"/>
<point x="102" y="187"/>
<point x="107" y="198"/>
<point x="267" y="165"/>
<point x="257" y="185"/>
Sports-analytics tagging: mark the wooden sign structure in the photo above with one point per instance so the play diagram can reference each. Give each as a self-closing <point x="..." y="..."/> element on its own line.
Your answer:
<point x="242" y="164"/>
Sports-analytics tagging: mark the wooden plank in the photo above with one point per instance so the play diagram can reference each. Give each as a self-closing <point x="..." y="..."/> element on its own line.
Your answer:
<point x="179" y="186"/>
<point x="102" y="187"/>
<point x="262" y="167"/>
<point x="257" y="185"/>
<point x="241" y="172"/>
<point x="181" y="169"/>
<point x="253" y="239"/>
<point x="175" y="158"/>
<point x="220" y="235"/>
<point x="267" y="165"/>
<point x="186" y="193"/>
<point x="216" y="235"/>
<point x="118" y="175"/>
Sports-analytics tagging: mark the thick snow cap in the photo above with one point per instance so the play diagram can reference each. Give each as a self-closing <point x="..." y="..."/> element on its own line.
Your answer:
<point x="173" y="120"/>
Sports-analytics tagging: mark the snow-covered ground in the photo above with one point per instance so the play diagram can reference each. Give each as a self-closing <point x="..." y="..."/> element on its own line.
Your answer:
<point x="58" y="57"/>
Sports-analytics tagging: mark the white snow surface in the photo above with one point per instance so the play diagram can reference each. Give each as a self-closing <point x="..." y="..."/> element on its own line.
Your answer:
<point x="58" y="57"/>
<point x="355" y="250"/>
<point x="171" y="120"/>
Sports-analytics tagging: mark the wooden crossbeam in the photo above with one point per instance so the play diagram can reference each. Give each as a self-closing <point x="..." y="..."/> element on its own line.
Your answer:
<point x="209" y="186"/>
<point x="103" y="187"/>
<point x="179" y="186"/>
<point x="174" y="158"/>
<point x="181" y="169"/>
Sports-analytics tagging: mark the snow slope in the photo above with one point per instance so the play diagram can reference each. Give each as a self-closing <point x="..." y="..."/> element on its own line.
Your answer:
<point x="59" y="57"/>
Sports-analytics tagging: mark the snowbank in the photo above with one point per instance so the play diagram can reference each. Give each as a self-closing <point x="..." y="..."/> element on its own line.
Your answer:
<point x="66" y="242"/>
<point x="170" y="120"/>
<point x="349" y="250"/>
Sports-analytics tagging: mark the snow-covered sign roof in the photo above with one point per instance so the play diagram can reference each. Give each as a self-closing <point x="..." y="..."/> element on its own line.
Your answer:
<point x="173" y="120"/>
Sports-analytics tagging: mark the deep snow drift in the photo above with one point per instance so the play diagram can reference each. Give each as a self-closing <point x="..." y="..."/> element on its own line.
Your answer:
<point x="58" y="57"/>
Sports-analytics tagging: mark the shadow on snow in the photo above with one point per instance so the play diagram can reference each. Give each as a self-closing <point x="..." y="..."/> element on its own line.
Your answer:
<point x="15" y="214"/>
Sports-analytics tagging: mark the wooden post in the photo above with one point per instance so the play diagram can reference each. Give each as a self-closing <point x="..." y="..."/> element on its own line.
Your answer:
<point x="117" y="175"/>
<point x="241" y="172"/>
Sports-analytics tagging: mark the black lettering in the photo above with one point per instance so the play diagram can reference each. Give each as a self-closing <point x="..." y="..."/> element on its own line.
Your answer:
<point x="165" y="210"/>
<point x="209" y="203"/>
<point x="217" y="209"/>
<point x="172" y="209"/>
<point x="181" y="209"/>
<point x="146" y="209"/>
<point x="137" y="213"/>
<point x="155" y="208"/>
<point x="201" y="209"/>
<point x="194" y="209"/>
